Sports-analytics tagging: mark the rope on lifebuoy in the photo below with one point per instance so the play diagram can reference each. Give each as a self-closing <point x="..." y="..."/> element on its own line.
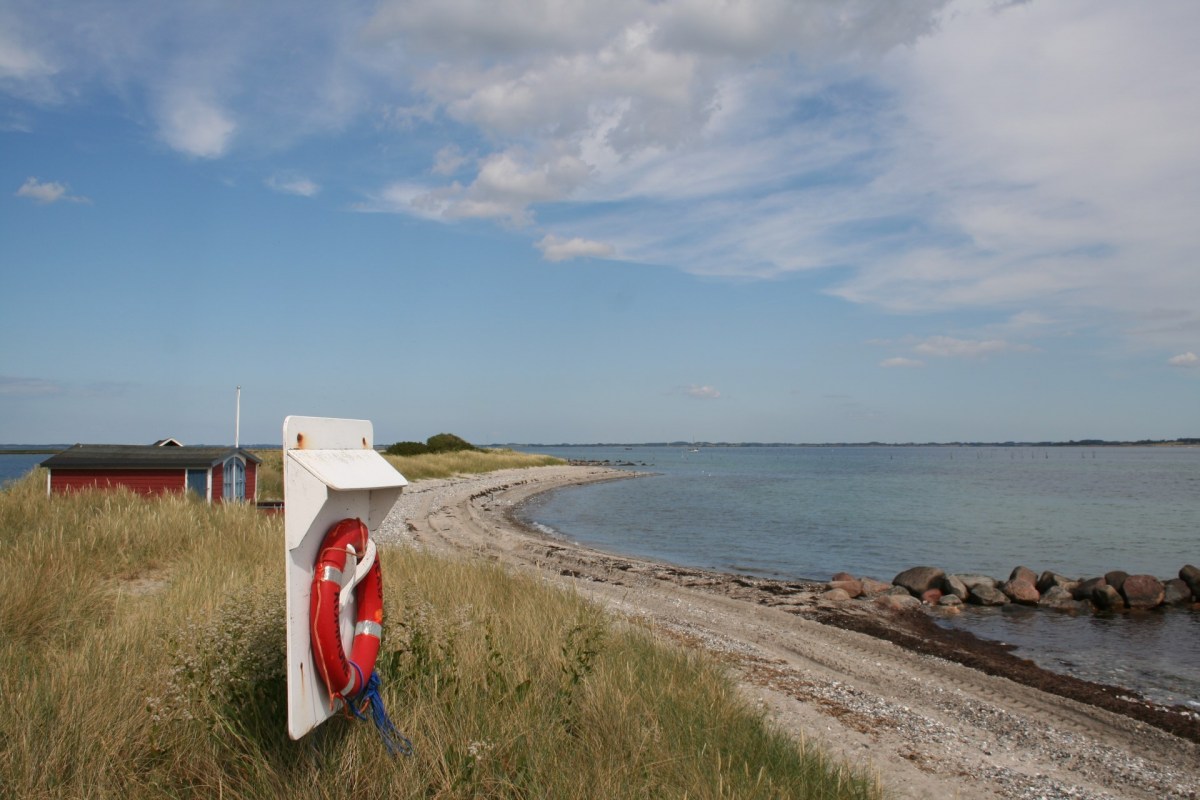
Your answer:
<point x="354" y="680"/>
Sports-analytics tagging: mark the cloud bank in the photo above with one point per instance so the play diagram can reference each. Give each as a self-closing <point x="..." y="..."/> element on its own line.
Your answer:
<point x="934" y="156"/>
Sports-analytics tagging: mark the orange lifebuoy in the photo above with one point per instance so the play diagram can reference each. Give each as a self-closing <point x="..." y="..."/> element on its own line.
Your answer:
<point x="344" y="678"/>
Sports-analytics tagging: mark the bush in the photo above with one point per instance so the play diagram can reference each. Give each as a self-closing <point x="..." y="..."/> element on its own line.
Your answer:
<point x="408" y="449"/>
<point x="447" y="442"/>
<point x="441" y="443"/>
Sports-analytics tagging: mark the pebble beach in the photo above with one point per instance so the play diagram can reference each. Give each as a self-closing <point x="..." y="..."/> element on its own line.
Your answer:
<point x="932" y="714"/>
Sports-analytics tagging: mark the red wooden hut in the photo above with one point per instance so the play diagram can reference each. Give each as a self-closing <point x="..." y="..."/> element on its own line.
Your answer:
<point x="217" y="474"/>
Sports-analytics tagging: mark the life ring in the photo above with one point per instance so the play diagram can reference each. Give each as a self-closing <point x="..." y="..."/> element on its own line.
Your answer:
<point x="345" y="679"/>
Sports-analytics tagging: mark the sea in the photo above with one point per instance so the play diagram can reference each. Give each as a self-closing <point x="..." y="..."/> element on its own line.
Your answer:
<point x="17" y="465"/>
<point x="808" y="512"/>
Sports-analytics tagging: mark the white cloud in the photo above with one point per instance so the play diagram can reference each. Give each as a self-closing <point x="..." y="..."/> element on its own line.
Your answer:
<point x="1188" y="360"/>
<point x="932" y="156"/>
<point x="48" y="192"/>
<point x="702" y="392"/>
<point x="901" y="362"/>
<point x="289" y="183"/>
<point x="556" y="249"/>
<point x="19" y="62"/>
<point x="448" y="160"/>
<point x="950" y="347"/>
<point x="195" y="126"/>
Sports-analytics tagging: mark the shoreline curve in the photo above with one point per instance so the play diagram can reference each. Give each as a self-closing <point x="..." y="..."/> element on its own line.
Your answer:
<point x="933" y="711"/>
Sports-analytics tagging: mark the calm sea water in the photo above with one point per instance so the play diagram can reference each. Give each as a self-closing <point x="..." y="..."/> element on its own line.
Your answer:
<point x="15" y="466"/>
<point x="808" y="512"/>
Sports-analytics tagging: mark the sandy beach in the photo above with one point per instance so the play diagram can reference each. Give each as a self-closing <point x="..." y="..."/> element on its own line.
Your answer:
<point x="933" y="714"/>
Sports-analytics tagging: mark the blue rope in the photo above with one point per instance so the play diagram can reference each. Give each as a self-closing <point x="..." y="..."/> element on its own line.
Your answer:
<point x="395" y="741"/>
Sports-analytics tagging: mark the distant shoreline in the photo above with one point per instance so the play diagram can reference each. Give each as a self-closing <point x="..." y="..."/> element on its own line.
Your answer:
<point x="1181" y="442"/>
<point x="51" y="449"/>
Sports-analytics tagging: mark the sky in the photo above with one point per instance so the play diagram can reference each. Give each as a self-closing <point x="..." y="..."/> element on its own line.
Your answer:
<point x="581" y="221"/>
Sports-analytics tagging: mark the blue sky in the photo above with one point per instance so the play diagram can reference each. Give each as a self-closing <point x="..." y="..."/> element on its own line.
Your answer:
<point x="577" y="221"/>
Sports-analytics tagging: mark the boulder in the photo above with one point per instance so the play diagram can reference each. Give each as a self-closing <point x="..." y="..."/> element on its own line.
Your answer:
<point x="872" y="587"/>
<point x="950" y="600"/>
<point x="843" y="576"/>
<point x="897" y="602"/>
<point x="836" y="595"/>
<point x="1176" y="592"/>
<point x="1058" y="598"/>
<point x="931" y="596"/>
<point x="985" y="594"/>
<point x="1084" y="589"/>
<point x="1049" y="579"/>
<point x="971" y="581"/>
<point x="1116" y="578"/>
<point x="1191" y="576"/>
<point x="1022" y="591"/>
<point x="1142" y="591"/>
<point x="852" y="587"/>
<point x="1024" y="574"/>
<point x="1106" y="598"/>
<point x="953" y="585"/>
<point x="919" y="580"/>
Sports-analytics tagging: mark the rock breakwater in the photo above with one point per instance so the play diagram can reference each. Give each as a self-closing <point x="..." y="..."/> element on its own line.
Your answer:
<point x="1114" y="591"/>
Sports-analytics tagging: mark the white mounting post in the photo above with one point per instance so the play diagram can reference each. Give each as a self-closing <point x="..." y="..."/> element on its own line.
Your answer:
<point x="331" y="471"/>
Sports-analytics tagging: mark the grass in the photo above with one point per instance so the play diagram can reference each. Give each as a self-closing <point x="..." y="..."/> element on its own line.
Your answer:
<point x="414" y="468"/>
<point x="141" y="655"/>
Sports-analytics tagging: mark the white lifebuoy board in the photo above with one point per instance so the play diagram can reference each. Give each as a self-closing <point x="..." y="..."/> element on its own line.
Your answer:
<point x="331" y="471"/>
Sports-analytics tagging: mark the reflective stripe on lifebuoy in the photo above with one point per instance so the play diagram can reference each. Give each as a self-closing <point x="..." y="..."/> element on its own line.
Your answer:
<point x="345" y="679"/>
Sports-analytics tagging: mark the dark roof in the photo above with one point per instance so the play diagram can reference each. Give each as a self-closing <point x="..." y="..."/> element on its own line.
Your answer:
<point x="138" y="456"/>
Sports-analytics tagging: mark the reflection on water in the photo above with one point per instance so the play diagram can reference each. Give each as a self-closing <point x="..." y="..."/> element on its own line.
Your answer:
<point x="1156" y="651"/>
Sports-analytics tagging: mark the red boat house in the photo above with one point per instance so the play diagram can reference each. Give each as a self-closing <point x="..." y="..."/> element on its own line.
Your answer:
<point x="216" y="474"/>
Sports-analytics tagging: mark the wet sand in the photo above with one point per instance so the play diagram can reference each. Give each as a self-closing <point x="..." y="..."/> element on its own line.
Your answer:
<point x="935" y="713"/>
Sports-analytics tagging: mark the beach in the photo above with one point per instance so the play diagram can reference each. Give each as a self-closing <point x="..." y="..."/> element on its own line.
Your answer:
<point x="932" y="712"/>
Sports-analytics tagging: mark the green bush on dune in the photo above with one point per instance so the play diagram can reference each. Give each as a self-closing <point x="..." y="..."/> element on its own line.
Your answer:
<point x="439" y="443"/>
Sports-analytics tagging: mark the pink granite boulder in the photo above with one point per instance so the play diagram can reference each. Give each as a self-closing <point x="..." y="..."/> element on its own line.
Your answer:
<point x="1142" y="591"/>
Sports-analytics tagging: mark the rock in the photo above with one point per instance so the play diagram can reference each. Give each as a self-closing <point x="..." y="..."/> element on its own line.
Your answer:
<point x="1191" y="576"/>
<point x="1106" y="598"/>
<point x="842" y="576"/>
<point x="971" y="581"/>
<point x="953" y="585"/>
<point x="919" y="580"/>
<point x="1022" y="591"/>
<point x="1084" y="589"/>
<point x="897" y="602"/>
<point x="852" y="587"/>
<point x="1176" y="592"/>
<point x="1024" y="574"/>
<point x="985" y="594"/>
<point x="872" y="587"/>
<point x="1058" y="598"/>
<point x="836" y="595"/>
<point x="1142" y="591"/>
<point x="897" y="590"/>
<point x="1115" y="578"/>
<point x="931" y="596"/>
<point x="1049" y="579"/>
<point x="950" y="600"/>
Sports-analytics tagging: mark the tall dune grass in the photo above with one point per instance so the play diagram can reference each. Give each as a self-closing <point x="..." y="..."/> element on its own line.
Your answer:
<point x="141" y="655"/>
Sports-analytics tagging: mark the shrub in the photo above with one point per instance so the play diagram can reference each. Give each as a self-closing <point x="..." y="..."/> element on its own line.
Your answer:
<point x="408" y="449"/>
<point x="446" y="442"/>
<point x="440" y="443"/>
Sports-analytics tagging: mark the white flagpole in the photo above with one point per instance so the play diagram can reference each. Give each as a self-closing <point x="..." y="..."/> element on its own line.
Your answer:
<point x="237" y="420"/>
